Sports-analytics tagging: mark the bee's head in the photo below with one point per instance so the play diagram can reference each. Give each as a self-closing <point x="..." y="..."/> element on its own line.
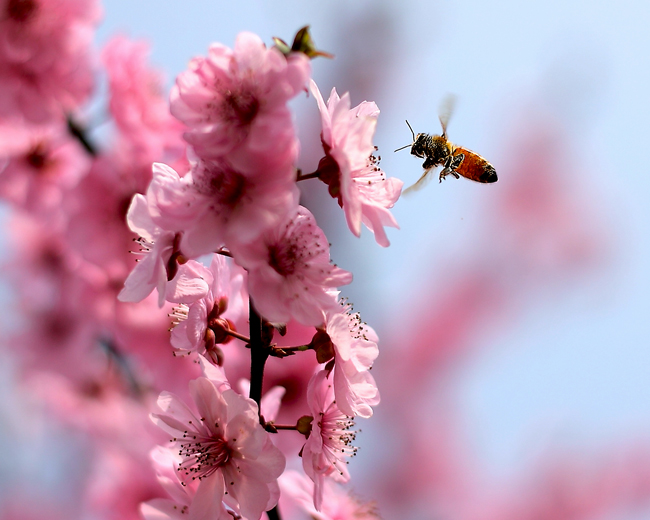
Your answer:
<point x="420" y="145"/>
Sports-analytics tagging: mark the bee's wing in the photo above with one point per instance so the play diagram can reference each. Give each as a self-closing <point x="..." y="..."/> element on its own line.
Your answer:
<point x="446" y="110"/>
<point x="421" y="182"/>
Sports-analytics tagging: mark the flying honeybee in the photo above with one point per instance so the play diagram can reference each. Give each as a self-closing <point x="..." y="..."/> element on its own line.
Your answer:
<point x="437" y="150"/>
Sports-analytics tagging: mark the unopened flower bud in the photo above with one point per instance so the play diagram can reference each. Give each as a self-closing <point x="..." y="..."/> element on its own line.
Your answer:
<point x="215" y="355"/>
<point x="210" y="340"/>
<point x="304" y="425"/>
<point x="220" y="327"/>
<point x="301" y="43"/>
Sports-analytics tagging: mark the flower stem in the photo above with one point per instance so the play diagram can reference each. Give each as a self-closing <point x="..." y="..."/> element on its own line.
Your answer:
<point x="238" y="336"/>
<point x="300" y="348"/>
<point x="312" y="175"/>
<point x="284" y="426"/>
<point x="259" y="353"/>
<point x="282" y="352"/>
<point x="80" y="134"/>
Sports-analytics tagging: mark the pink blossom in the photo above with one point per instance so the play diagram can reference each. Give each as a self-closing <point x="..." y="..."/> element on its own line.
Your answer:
<point x="355" y="346"/>
<point x="350" y="168"/>
<point x="159" y="266"/>
<point x="225" y="454"/>
<point x="177" y="507"/>
<point x="238" y="97"/>
<point x="203" y="324"/>
<point x="42" y="163"/>
<point x="216" y="205"/>
<point x="289" y="271"/>
<point x="138" y="103"/>
<point x="338" y="504"/>
<point x="330" y="440"/>
<point x="97" y="209"/>
<point x="45" y="56"/>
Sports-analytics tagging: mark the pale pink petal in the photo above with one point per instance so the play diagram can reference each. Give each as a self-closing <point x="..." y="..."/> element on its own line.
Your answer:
<point x="209" y="404"/>
<point x="208" y="501"/>
<point x="215" y="374"/>
<point x="188" y="285"/>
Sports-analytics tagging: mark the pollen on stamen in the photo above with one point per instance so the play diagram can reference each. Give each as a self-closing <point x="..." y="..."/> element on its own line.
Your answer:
<point x="145" y="247"/>
<point x="179" y="314"/>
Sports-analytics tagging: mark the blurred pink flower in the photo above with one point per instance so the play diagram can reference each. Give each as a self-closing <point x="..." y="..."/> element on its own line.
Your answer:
<point x="289" y="271"/>
<point x="238" y="97"/>
<point x="45" y="56"/>
<point x="338" y="504"/>
<point x="41" y="163"/>
<point x="355" y="344"/>
<point x="349" y="167"/>
<point x="330" y="440"/>
<point x="226" y="455"/>
<point x="138" y="103"/>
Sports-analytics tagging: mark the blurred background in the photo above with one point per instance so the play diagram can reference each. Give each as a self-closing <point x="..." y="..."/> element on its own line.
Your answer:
<point x="512" y="317"/>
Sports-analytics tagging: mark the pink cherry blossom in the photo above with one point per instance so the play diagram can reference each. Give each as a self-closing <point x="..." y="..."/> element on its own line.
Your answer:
<point x="177" y="507"/>
<point x="42" y="163"/>
<point x="159" y="267"/>
<point x="225" y="454"/>
<point x="330" y="440"/>
<point x="238" y="98"/>
<point x="138" y="103"/>
<point x="216" y="205"/>
<point x="338" y="504"/>
<point x="289" y="271"/>
<point x="355" y="346"/>
<point x="203" y="324"/>
<point x="350" y="168"/>
<point x="45" y="56"/>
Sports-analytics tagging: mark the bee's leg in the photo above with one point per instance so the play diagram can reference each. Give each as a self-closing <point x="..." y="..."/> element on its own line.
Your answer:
<point x="429" y="163"/>
<point x="448" y="171"/>
<point x="451" y="165"/>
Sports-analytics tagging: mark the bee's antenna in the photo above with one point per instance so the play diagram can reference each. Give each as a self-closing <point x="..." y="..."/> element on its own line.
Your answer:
<point x="412" y="132"/>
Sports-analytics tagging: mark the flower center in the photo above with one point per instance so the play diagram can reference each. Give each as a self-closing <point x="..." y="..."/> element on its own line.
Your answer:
<point x="240" y="106"/>
<point x="37" y="157"/>
<point x="21" y="10"/>
<point x="283" y="258"/>
<point x="337" y="436"/>
<point x="221" y="183"/>
<point x="202" y="455"/>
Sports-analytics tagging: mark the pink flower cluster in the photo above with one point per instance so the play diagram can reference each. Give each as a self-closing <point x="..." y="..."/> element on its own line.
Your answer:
<point x="239" y="198"/>
<point x="45" y="56"/>
<point x="240" y="193"/>
<point x="192" y="205"/>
